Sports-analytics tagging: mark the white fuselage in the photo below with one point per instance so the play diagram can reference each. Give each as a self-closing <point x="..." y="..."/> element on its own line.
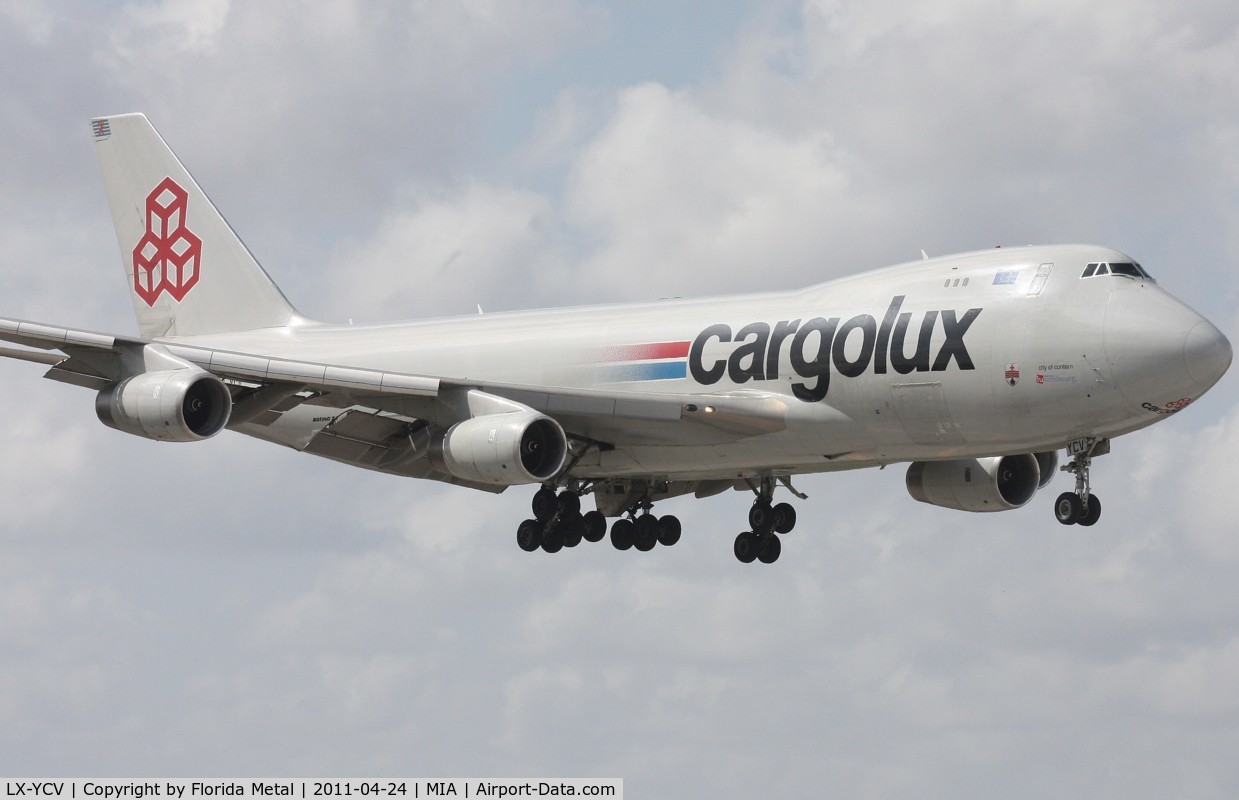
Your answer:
<point x="986" y="353"/>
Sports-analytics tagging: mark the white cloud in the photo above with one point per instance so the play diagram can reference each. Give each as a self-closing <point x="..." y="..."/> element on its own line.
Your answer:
<point x="439" y="256"/>
<point x="1014" y="123"/>
<point x="171" y="28"/>
<point x="1205" y="486"/>
<point x="675" y="193"/>
<point x="34" y="18"/>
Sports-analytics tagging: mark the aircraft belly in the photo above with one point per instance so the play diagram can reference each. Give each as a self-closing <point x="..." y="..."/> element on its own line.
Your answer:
<point x="816" y="436"/>
<point x="702" y="463"/>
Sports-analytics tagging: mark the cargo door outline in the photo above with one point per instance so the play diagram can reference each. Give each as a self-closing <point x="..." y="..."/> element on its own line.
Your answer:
<point x="923" y="412"/>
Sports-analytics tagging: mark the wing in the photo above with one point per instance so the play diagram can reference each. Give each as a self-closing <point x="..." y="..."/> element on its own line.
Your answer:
<point x="374" y="411"/>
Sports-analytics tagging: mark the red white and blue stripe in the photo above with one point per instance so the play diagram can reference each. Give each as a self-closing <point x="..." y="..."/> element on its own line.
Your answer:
<point x="654" y="361"/>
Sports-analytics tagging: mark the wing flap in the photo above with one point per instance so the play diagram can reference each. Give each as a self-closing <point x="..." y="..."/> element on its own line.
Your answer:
<point x="27" y="355"/>
<point x="73" y="377"/>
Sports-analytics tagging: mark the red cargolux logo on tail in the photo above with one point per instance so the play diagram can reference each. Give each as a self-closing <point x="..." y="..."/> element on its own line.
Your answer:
<point x="168" y="254"/>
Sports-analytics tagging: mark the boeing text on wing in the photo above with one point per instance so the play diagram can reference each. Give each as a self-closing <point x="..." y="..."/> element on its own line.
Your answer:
<point x="977" y="370"/>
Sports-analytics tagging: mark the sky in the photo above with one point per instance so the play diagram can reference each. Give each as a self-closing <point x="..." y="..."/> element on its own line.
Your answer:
<point x="229" y="609"/>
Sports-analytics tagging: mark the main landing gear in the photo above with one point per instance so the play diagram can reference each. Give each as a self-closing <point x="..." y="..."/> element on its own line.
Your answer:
<point x="1080" y="507"/>
<point x="559" y="523"/>
<point x="765" y="520"/>
<point x="644" y="531"/>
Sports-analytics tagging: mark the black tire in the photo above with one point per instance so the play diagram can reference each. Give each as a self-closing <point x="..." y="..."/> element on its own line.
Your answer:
<point x="622" y="534"/>
<point x="745" y="547"/>
<point x="529" y="535"/>
<point x="569" y="502"/>
<point x="573" y="528"/>
<point x="761" y="517"/>
<point x="553" y="539"/>
<point x="784" y="517"/>
<point x="1068" y="508"/>
<point x="545" y="504"/>
<point x="1093" y="513"/>
<point x="595" y="526"/>
<point x="647" y="532"/>
<point x="770" y="549"/>
<point x="668" y="530"/>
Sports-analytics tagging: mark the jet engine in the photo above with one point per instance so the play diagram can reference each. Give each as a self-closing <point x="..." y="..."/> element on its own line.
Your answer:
<point x="180" y="405"/>
<point x="999" y="483"/>
<point x="502" y="449"/>
<point x="1047" y="462"/>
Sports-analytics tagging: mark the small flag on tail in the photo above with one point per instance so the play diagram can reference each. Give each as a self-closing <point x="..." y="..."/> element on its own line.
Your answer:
<point x="101" y="128"/>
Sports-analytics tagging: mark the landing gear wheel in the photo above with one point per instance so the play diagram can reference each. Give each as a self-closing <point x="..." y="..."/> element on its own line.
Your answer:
<point x="553" y="540"/>
<point x="529" y="535"/>
<point x="1093" y="513"/>
<point x="784" y="518"/>
<point x="1068" y="508"/>
<point x="761" y="517"/>
<point x="745" y="547"/>
<point x="622" y="534"/>
<point x="769" y="550"/>
<point x="595" y="526"/>
<point x="573" y="527"/>
<point x="646" y="532"/>
<point x="668" y="530"/>
<point x="569" y="502"/>
<point x="545" y="503"/>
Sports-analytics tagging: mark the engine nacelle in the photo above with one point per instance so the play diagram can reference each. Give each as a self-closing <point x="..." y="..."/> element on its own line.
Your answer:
<point x="503" y="449"/>
<point x="180" y="405"/>
<point x="1047" y="462"/>
<point x="976" y="484"/>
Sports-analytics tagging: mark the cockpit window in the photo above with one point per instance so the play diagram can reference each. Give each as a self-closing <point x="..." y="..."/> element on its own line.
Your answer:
<point x="1128" y="268"/>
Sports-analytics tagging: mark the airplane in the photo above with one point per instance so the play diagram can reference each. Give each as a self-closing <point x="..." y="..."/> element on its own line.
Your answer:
<point x="976" y="369"/>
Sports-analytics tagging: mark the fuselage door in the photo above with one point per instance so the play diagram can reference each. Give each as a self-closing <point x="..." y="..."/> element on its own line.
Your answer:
<point x="922" y="410"/>
<point x="1038" y="282"/>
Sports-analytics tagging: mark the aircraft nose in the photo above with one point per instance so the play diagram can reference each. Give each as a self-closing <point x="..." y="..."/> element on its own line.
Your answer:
<point x="1207" y="353"/>
<point x="1161" y="351"/>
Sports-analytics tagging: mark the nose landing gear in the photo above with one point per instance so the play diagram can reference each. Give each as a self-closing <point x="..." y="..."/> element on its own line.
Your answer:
<point x="1081" y="507"/>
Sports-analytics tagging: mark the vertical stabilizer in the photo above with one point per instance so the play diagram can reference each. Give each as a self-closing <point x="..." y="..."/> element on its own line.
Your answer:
<point x="188" y="273"/>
